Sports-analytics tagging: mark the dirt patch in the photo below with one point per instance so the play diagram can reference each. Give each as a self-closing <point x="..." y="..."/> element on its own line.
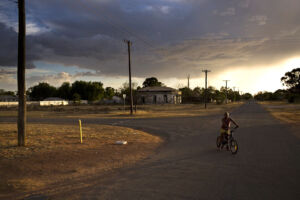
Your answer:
<point x="54" y="154"/>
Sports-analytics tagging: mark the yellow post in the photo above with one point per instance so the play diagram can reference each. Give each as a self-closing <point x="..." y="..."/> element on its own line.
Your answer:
<point x="80" y="131"/>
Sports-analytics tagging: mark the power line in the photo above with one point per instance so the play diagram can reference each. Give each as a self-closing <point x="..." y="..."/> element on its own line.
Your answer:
<point x="126" y="30"/>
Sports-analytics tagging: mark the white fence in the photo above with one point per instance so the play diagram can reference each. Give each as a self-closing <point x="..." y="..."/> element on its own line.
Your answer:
<point x="54" y="103"/>
<point x="9" y="103"/>
<point x="40" y="103"/>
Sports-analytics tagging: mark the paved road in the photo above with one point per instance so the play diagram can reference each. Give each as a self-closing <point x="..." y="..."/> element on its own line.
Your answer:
<point x="189" y="166"/>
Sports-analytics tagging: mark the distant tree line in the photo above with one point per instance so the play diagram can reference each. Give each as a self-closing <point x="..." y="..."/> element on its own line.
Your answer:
<point x="199" y="95"/>
<point x="3" y="92"/>
<point x="91" y="91"/>
<point x="82" y="90"/>
<point x="94" y="91"/>
<point x="292" y="93"/>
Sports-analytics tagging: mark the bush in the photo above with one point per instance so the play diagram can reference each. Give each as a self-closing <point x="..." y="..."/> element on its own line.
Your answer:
<point x="293" y="98"/>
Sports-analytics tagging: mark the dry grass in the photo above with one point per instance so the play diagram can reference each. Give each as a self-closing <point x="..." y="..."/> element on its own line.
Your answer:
<point x="143" y="111"/>
<point x="54" y="154"/>
<point x="286" y="112"/>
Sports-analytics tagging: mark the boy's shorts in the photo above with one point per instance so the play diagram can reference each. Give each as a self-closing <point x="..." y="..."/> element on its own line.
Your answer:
<point x="223" y="131"/>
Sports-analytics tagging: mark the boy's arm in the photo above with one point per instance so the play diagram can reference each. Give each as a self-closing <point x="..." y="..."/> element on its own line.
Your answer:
<point x="234" y="123"/>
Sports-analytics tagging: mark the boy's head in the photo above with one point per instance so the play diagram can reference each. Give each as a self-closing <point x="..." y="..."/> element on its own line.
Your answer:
<point x="226" y="114"/>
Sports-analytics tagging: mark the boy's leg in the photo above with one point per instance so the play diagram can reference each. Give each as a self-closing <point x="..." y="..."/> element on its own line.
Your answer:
<point x="222" y="138"/>
<point x="227" y="139"/>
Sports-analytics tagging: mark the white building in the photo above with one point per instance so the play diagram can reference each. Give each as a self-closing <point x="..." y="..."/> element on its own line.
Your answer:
<point x="54" y="101"/>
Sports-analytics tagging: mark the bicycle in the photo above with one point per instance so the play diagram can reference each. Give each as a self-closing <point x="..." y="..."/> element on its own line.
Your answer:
<point x="229" y="141"/>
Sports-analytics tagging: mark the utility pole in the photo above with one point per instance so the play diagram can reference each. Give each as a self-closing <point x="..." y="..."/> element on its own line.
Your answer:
<point x="226" y="90"/>
<point x="188" y="77"/>
<point x="21" y="74"/>
<point x="129" y="43"/>
<point x="205" y="94"/>
<point x="234" y="94"/>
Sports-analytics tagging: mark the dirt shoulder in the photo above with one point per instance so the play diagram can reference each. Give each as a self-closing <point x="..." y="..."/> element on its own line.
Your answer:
<point x="286" y="112"/>
<point x="53" y="154"/>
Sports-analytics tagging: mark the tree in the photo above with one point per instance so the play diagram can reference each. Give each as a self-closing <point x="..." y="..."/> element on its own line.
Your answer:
<point x="76" y="98"/>
<point x="80" y="87"/>
<point x="95" y="91"/>
<point x="150" y="82"/>
<point x="210" y="91"/>
<point x="90" y="91"/>
<point x="109" y="92"/>
<point x="264" y="96"/>
<point x="280" y="95"/>
<point x="198" y="92"/>
<point x="230" y="94"/>
<point x="219" y="97"/>
<point x="3" y="92"/>
<point x="125" y="88"/>
<point x="247" y="96"/>
<point x="186" y="94"/>
<point x="64" y="91"/>
<point x="42" y="91"/>
<point x="292" y="80"/>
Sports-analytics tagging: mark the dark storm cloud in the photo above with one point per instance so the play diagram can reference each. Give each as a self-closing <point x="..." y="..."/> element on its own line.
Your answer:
<point x="184" y="35"/>
<point x="8" y="49"/>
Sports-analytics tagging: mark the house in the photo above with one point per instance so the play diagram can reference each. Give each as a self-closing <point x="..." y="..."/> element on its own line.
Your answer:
<point x="158" y="95"/>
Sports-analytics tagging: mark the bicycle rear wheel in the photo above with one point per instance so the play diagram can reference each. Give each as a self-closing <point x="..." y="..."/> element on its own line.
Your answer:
<point x="234" y="146"/>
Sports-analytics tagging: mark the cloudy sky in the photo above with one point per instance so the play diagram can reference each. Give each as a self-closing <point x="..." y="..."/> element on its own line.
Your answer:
<point x="250" y="42"/>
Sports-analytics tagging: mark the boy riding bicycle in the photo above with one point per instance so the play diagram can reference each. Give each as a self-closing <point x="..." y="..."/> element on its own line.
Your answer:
<point x="225" y="128"/>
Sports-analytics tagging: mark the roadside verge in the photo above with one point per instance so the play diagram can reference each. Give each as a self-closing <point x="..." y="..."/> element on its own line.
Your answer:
<point x="54" y="154"/>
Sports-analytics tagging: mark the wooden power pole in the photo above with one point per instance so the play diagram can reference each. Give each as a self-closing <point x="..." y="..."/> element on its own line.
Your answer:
<point x="129" y="43"/>
<point x="226" y="90"/>
<point x="205" y="94"/>
<point x="234" y="97"/>
<point x="188" y="77"/>
<point x="21" y="74"/>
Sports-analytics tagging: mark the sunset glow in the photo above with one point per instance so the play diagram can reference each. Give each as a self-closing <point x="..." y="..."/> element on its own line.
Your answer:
<point x="246" y="42"/>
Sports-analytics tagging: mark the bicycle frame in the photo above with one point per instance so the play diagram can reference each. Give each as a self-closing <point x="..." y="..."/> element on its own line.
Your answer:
<point x="230" y="137"/>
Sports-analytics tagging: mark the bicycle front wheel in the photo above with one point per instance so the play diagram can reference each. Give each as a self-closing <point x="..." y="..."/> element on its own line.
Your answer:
<point x="234" y="146"/>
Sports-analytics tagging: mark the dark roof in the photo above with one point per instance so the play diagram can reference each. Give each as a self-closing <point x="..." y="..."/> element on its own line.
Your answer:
<point x="53" y="99"/>
<point x="8" y="97"/>
<point x="157" y="89"/>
